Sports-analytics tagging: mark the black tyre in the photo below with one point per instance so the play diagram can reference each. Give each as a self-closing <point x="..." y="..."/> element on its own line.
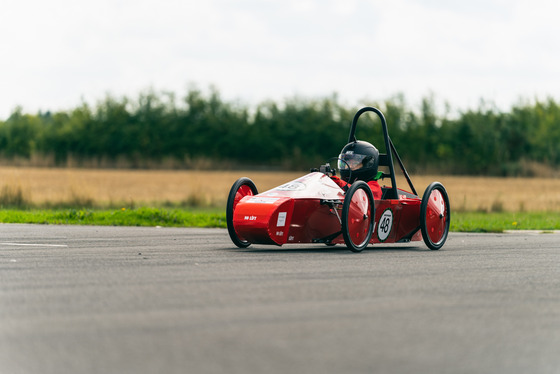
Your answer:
<point x="241" y="188"/>
<point x="435" y="216"/>
<point x="358" y="216"/>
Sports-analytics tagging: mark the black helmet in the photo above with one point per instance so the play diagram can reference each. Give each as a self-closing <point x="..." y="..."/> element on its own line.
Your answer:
<point x="358" y="161"/>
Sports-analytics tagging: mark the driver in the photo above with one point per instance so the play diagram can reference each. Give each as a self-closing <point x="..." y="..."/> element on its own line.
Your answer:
<point x="359" y="161"/>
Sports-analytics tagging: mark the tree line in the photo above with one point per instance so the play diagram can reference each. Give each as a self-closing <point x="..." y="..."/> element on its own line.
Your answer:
<point x="201" y="128"/>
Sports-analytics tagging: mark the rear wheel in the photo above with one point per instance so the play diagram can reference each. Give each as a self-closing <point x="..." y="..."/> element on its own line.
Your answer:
<point x="241" y="188"/>
<point x="435" y="216"/>
<point x="358" y="215"/>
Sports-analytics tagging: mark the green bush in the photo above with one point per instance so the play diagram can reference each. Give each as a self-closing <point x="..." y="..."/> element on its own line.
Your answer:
<point x="201" y="129"/>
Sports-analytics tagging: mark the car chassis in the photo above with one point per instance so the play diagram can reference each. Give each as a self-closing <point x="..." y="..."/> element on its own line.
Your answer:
<point x="314" y="209"/>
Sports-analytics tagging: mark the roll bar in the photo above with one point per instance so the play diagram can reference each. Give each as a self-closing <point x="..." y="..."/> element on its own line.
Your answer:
<point x="384" y="159"/>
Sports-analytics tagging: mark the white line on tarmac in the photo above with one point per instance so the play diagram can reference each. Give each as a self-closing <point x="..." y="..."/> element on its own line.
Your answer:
<point x="532" y="232"/>
<point x="35" y="245"/>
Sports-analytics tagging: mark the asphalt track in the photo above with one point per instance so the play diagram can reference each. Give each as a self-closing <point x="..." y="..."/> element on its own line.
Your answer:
<point x="77" y="299"/>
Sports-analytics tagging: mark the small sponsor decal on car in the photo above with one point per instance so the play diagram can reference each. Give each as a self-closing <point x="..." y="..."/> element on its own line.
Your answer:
<point x="291" y="186"/>
<point x="263" y="200"/>
<point x="281" y="219"/>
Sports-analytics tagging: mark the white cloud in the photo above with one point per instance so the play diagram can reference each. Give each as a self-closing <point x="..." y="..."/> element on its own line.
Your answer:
<point x="56" y="52"/>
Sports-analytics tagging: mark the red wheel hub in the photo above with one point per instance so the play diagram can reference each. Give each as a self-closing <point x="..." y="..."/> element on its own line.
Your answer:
<point x="359" y="218"/>
<point x="436" y="216"/>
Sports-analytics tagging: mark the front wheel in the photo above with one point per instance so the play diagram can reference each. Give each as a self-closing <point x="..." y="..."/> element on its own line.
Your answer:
<point x="435" y="216"/>
<point x="358" y="215"/>
<point x="241" y="188"/>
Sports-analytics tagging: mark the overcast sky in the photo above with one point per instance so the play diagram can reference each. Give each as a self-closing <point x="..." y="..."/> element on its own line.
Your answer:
<point x="56" y="53"/>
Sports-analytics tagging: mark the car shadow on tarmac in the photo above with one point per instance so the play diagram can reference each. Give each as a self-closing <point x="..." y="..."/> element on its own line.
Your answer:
<point x="338" y="249"/>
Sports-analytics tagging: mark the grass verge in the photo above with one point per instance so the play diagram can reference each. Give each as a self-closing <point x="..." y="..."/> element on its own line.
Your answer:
<point x="117" y="217"/>
<point x="501" y="221"/>
<point x="176" y="217"/>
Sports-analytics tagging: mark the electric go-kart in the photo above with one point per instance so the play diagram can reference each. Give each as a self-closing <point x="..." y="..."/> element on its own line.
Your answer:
<point x="314" y="209"/>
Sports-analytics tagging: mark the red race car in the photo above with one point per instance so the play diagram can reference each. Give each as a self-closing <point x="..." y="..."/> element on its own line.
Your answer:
<point x="321" y="208"/>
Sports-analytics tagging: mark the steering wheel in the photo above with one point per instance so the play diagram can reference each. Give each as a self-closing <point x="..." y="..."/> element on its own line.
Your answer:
<point x="330" y="172"/>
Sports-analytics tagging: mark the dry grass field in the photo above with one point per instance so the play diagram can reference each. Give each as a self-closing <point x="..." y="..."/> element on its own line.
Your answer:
<point x="104" y="188"/>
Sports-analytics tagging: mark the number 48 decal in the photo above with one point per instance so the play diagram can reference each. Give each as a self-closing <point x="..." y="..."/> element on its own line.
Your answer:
<point x="385" y="224"/>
